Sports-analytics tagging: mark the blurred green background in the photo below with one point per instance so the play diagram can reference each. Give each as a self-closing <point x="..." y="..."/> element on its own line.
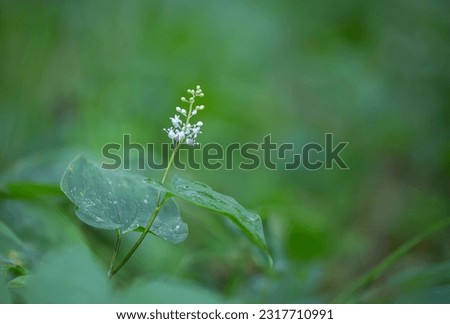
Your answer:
<point x="76" y="75"/>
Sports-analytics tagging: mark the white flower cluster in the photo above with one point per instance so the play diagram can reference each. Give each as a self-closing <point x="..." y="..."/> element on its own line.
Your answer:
<point x="185" y="132"/>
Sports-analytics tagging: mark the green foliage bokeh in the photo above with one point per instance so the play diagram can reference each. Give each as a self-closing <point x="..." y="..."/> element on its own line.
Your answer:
<point x="76" y="75"/>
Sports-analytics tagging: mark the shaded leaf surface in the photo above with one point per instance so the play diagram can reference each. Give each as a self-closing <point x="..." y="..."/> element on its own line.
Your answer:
<point x="202" y="195"/>
<point x="50" y="282"/>
<point x="4" y="293"/>
<point x="117" y="200"/>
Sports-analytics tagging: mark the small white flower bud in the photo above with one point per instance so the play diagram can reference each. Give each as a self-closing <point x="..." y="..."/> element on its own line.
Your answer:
<point x="186" y="133"/>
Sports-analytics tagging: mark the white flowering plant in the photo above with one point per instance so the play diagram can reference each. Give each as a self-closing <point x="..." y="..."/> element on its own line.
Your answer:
<point x="185" y="132"/>
<point x="124" y="202"/>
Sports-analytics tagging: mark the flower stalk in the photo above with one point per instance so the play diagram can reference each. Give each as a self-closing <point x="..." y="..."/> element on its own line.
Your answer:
<point x="180" y="133"/>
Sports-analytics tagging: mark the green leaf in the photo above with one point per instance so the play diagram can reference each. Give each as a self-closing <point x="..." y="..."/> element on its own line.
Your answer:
<point x="12" y="268"/>
<point x="168" y="224"/>
<point x="4" y="293"/>
<point x="116" y="200"/>
<point x="168" y="291"/>
<point x="202" y="195"/>
<point x="68" y="276"/>
<point x="18" y="282"/>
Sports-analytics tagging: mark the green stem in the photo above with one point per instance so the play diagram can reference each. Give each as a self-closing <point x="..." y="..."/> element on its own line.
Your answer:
<point x="141" y="238"/>
<point x="172" y="157"/>
<point x="115" y="252"/>
<point x="389" y="261"/>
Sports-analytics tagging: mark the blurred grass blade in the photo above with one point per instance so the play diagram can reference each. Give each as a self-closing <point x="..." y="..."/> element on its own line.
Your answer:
<point x="8" y="235"/>
<point x="388" y="262"/>
<point x="32" y="189"/>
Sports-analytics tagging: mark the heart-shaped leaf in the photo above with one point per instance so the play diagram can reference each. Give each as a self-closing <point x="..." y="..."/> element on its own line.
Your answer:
<point x="202" y="195"/>
<point x="117" y="200"/>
